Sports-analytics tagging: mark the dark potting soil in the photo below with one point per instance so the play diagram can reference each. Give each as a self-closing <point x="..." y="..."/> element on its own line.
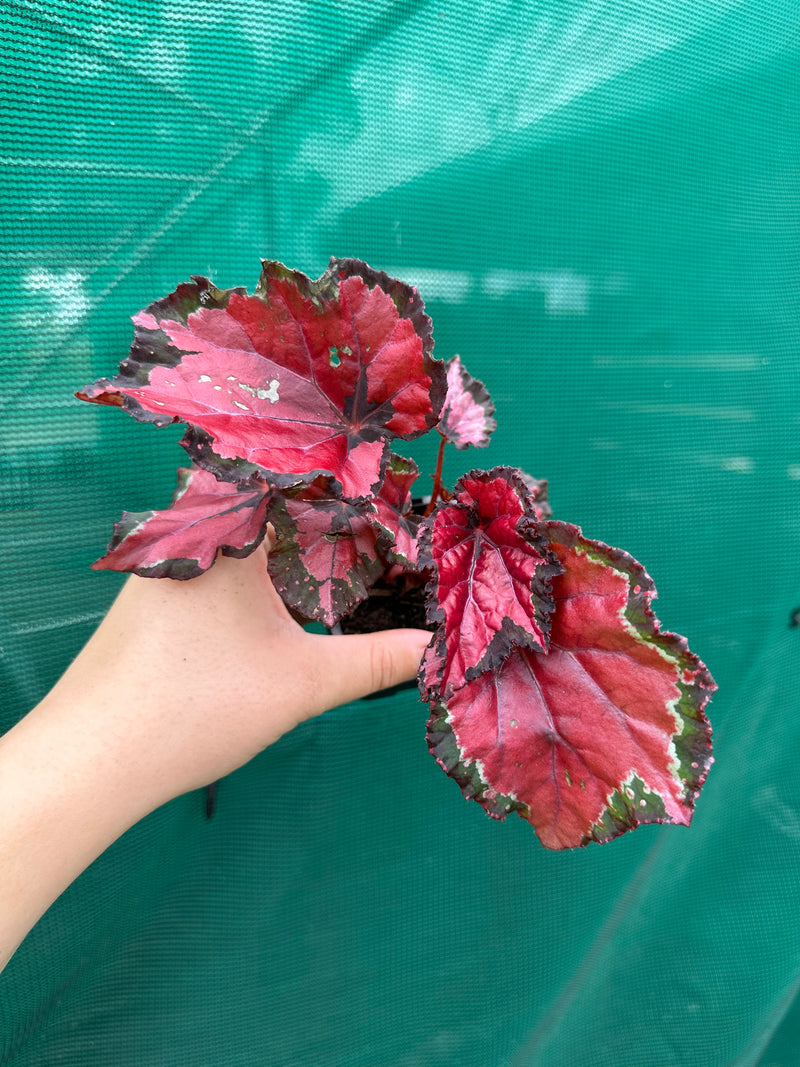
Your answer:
<point x="386" y="608"/>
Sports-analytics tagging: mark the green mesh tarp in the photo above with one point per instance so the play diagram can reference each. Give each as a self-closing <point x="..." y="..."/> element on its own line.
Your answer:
<point x="600" y="204"/>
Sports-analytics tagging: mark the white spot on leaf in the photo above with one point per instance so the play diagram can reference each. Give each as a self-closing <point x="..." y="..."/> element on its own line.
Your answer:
<point x="270" y="393"/>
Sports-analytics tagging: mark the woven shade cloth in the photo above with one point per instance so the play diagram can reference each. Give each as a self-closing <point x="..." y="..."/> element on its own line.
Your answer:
<point x="600" y="205"/>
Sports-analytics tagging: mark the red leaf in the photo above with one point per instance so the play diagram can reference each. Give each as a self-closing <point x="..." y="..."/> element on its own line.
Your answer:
<point x="393" y="511"/>
<point x="182" y="541"/>
<point x="603" y="733"/>
<point x="326" y="555"/>
<point x="302" y="376"/>
<point x="467" y="413"/>
<point x="491" y="570"/>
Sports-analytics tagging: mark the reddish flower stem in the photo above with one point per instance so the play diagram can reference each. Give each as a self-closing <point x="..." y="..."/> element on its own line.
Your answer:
<point x="437" y="477"/>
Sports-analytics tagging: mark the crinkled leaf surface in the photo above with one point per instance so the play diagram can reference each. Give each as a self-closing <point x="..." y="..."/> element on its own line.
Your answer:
<point x="327" y="552"/>
<point x="538" y="488"/>
<point x="302" y="376"/>
<point x="491" y="573"/>
<point x="468" y="412"/>
<point x="182" y="540"/>
<point x="393" y="510"/>
<point x="604" y="732"/>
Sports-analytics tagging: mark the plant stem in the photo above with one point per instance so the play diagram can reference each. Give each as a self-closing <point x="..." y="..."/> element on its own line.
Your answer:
<point x="437" y="478"/>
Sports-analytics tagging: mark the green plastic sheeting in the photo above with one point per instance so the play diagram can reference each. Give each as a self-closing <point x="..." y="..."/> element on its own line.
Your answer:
<point x="600" y="204"/>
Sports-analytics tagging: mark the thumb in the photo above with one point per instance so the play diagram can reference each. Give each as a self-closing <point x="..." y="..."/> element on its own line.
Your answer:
<point x="359" y="664"/>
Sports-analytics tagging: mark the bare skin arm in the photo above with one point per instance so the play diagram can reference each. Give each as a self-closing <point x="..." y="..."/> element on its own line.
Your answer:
<point x="182" y="683"/>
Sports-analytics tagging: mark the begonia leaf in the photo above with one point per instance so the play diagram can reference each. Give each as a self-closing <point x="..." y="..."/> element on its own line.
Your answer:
<point x="538" y="488"/>
<point x="468" y="411"/>
<point x="182" y="540"/>
<point x="199" y="446"/>
<point x="602" y="733"/>
<point x="326" y="554"/>
<point x="394" y="510"/>
<point x="299" y="377"/>
<point x="491" y="573"/>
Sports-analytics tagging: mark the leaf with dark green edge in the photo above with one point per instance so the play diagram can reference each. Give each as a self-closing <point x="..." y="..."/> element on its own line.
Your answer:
<point x="468" y="411"/>
<point x="149" y="350"/>
<point x="605" y="732"/>
<point x="431" y="668"/>
<point x="491" y="568"/>
<point x="326" y="554"/>
<point x="199" y="447"/>
<point x="394" y="511"/>
<point x="300" y="377"/>
<point x="409" y="306"/>
<point x="182" y="541"/>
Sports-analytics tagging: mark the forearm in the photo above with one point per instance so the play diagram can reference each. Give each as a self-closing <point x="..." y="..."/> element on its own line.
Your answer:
<point x="67" y="791"/>
<point x="182" y="683"/>
<point x="128" y="726"/>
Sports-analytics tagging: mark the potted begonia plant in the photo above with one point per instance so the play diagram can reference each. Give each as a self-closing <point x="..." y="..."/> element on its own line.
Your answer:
<point x="553" y="691"/>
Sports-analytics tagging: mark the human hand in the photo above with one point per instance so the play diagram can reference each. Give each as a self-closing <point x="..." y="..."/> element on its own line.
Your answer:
<point x="215" y="669"/>
<point x="182" y="683"/>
